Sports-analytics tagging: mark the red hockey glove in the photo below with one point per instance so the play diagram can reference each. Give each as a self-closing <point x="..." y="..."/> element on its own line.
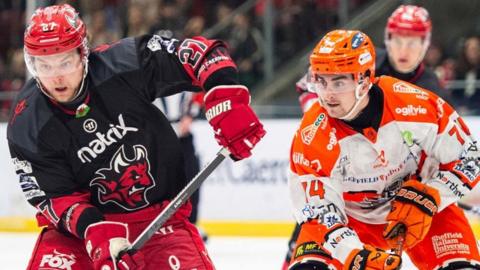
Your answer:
<point x="370" y="258"/>
<point x="105" y="241"/>
<point x="306" y="100"/>
<point x="235" y="124"/>
<point x="413" y="208"/>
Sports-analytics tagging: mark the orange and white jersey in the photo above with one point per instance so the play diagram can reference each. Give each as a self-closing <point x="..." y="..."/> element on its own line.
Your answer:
<point x="337" y="172"/>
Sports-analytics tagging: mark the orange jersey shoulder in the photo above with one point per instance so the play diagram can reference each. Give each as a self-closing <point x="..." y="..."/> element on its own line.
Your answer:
<point x="411" y="103"/>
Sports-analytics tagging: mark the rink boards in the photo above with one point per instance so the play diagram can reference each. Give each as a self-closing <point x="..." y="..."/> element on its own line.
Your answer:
<point x="245" y="198"/>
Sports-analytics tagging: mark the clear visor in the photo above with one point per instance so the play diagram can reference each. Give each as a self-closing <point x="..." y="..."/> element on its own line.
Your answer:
<point x="54" y="65"/>
<point x="331" y="83"/>
<point x="406" y="42"/>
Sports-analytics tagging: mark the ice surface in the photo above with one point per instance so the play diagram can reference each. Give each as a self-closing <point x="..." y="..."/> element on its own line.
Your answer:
<point x="228" y="253"/>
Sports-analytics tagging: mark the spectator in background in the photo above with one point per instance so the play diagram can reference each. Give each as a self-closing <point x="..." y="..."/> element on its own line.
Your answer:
<point x="194" y="27"/>
<point x="135" y="21"/>
<point x="222" y="13"/>
<point x="434" y="56"/>
<point x="246" y="45"/>
<point x="4" y="84"/>
<point x="445" y="73"/>
<point x="12" y="80"/>
<point x="467" y="97"/>
<point x="297" y="25"/>
<point x="442" y="66"/>
<point x="170" y="22"/>
<point x="98" y="31"/>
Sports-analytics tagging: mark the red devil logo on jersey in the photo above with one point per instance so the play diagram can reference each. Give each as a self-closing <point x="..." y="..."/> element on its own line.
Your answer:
<point x="127" y="181"/>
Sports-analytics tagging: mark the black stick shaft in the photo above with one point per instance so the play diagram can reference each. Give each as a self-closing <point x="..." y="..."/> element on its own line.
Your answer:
<point x="473" y="209"/>
<point x="178" y="201"/>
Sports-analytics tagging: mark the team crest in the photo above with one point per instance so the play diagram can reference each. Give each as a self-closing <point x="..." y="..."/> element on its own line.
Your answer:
<point x="126" y="182"/>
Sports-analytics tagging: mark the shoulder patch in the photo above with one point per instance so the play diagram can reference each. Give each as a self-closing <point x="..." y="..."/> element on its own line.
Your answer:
<point x="157" y="43"/>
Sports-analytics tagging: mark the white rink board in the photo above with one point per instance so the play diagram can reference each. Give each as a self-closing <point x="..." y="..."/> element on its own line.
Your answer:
<point x="252" y="189"/>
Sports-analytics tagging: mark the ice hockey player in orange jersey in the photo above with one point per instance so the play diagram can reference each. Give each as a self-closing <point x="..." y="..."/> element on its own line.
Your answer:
<point x="372" y="158"/>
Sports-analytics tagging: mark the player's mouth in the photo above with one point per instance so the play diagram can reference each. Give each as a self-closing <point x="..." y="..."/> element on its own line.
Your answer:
<point x="332" y="104"/>
<point x="60" y="89"/>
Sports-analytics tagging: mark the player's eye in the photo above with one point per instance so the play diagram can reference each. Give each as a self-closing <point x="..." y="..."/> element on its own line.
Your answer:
<point x="338" y="84"/>
<point x="322" y="82"/>
<point x="44" y="67"/>
<point x="66" y="64"/>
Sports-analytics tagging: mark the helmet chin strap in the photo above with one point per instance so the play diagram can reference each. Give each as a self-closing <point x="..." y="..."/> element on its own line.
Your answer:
<point x="358" y="99"/>
<point x="353" y="112"/>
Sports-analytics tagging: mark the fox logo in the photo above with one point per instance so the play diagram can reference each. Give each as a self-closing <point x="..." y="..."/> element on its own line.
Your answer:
<point x="57" y="260"/>
<point x="126" y="181"/>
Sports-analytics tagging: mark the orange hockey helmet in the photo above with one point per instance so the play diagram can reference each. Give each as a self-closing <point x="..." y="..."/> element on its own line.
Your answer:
<point x="344" y="51"/>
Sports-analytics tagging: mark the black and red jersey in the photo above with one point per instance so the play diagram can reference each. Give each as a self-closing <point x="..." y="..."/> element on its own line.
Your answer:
<point x="421" y="75"/>
<point x="112" y="149"/>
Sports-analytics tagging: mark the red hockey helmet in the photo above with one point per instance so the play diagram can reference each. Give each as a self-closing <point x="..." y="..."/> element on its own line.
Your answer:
<point x="409" y="20"/>
<point x="54" y="29"/>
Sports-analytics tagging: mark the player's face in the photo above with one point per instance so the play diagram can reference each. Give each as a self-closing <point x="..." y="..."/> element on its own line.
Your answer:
<point x="337" y="92"/>
<point x="60" y="74"/>
<point x="405" y="52"/>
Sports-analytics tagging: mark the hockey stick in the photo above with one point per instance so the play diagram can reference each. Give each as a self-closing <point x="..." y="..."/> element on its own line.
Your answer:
<point x="401" y="231"/>
<point x="400" y="240"/>
<point x="473" y="209"/>
<point x="178" y="201"/>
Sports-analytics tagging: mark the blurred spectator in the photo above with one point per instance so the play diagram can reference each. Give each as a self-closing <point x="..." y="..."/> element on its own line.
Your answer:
<point x="297" y="26"/>
<point x="446" y="72"/>
<point x="434" y="56"/>
<point x="11" y="80"/>
<point x="135" y="21"/>
<point x="467" y="98"/>
<point x="246" y="47"/>
<point x="12" y="18"/>
<point x="222" y="13"/>
<point x="194" y="27"/>
<point x="170" y="21"/>
<point x="443" y="67"/>
<point x="98" y="30"/>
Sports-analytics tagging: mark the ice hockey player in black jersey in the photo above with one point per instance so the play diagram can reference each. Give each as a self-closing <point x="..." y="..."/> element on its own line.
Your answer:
<point x="97" y="159"/>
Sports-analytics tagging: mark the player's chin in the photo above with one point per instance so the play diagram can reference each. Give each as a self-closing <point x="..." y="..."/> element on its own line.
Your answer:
<point x="405" y="67"/>
<point x="63" y="98"/>
<point x="334" y="111"/>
